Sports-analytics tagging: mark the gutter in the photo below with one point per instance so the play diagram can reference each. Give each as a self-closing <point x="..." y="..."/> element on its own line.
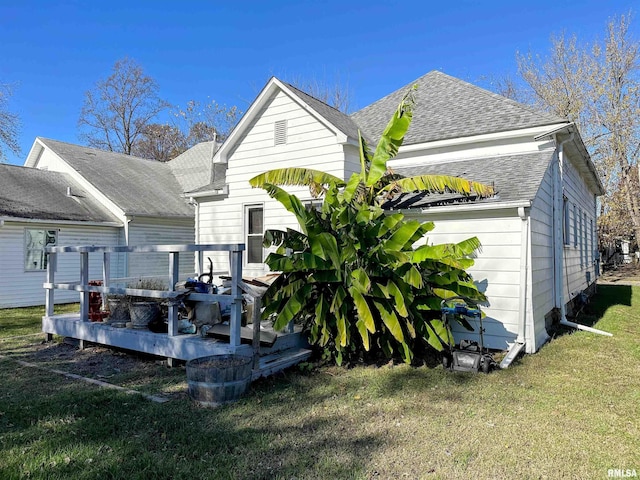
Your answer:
<point x="463" y="207"/>
<point x="61" y="222"/>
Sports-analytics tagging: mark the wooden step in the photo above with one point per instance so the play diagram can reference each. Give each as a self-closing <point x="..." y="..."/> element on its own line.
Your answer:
<point x="278" y="361"/>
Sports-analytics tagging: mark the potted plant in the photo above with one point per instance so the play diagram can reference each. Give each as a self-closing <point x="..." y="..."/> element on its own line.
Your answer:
<point x="143" y="310"/>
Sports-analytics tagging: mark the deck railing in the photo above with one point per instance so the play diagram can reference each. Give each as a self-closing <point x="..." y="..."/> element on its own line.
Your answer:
<point x="83" y="287"/>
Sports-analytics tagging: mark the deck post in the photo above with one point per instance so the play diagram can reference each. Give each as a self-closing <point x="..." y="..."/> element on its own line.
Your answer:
<point x="255" y="318"/>
<point x="84" y="283"/>
<point x="235" y="260"/>
<point x="199" y="263"/>
<point x="106" y="276"/>
<point x="51" y="271"/>
<point x="174" y="272"/>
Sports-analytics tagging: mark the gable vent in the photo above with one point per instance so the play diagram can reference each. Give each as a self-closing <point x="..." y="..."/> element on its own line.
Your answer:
<point x="280" y="132"/>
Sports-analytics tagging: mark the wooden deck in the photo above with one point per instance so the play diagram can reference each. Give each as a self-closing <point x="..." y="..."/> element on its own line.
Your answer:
<point x="289" y="348"/>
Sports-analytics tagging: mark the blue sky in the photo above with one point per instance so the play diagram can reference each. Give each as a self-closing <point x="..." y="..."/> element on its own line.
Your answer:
<point x="52" y="52"/>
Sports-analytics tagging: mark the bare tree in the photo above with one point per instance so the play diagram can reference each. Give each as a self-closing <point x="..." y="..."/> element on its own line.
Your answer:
<point x="9" y="124"/>
<point x="205" y="122"/>
<point x="336" y="94"/>
<point x="160" y="142"/>
<point x="598" y="87"/>
<point x="117" y="111"/>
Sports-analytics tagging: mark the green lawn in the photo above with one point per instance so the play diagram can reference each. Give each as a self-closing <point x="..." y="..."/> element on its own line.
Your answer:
<point x="570" y="411"/>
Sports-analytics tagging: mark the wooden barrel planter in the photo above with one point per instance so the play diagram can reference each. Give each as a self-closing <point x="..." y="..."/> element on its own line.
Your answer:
<point x="218" y="379"/>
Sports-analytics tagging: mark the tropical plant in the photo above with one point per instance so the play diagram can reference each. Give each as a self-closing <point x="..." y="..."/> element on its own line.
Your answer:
<point x="352" y="274"/>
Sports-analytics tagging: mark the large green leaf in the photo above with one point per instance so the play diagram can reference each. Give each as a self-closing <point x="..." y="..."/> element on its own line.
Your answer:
<point x="362" y="307"/>
<point x="325" y="246"/>
<point x="290" y="202"/>
<point x="440" y="184"/>
<point x="390" y="319"/>
<point x="316" y="180"/>
<point x="402" y="237"/>
<point x="398" y="297"/>
<point x="364" y="334"/>
<point x="293" y="307"/>
<point x="440" y="336"/>
<point x="391" y="138"/>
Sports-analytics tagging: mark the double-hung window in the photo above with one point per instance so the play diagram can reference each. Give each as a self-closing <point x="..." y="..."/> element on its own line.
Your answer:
<point x="254" y="215"/>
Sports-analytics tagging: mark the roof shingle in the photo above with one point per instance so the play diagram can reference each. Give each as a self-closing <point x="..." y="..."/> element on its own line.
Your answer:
<point x="447" y="107"/>
<point x="40" y="194"/>
<point x="137" y="186"/>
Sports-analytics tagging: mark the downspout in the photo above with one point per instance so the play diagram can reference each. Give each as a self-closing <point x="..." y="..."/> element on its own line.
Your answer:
<point x="126" y="242"/>
<point x="559" y="252"/>
<point x="524" y="265"/>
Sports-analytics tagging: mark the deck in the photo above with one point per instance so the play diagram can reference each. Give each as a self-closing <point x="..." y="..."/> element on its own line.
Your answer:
<point x="289" y="348"/>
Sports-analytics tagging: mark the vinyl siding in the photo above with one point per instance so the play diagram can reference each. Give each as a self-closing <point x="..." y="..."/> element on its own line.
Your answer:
<point x="20" y="288"/>
<point x="542" y="265"/>
<point x="579" y="254"/>
<point x="309" y="144"/>
<point x="496" y="270"/>
<point x="159" y="232"/>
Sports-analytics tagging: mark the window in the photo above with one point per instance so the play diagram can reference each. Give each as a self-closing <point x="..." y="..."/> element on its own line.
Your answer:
<point x="565" y="225"/>
<point x="34" y="243"/>
<point x="280" y="132"/>
<point x="579" y="219"/>
<point x="586" y="239"/>
<point x="592" y="250"/>
<point x="255" y="229"/>
<point x="575" y="225"/>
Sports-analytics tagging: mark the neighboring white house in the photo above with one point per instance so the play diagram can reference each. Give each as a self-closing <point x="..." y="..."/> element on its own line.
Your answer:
<point x="72" y="195"/>
<point x="538" y="232"/>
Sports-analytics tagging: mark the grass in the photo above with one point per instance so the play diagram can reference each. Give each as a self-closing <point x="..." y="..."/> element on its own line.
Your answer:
<point x="570" y="411"/>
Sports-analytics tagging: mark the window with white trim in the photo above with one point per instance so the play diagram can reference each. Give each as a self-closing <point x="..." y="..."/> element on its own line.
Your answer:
<point x="575" y="225"/>
<point x="566" y="224"/>
<point x="254" y="215"/>
<point x="35" y="241"/>
<point x="592" y="244"/>
<point x="581" y="238"/>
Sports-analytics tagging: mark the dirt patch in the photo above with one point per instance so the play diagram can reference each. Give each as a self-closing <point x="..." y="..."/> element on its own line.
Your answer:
<point x="127" y="369"/>
<point x="626" y="274"/>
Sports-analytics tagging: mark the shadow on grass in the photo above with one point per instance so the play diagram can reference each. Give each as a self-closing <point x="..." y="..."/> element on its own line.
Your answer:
<point x="54" y="428"/>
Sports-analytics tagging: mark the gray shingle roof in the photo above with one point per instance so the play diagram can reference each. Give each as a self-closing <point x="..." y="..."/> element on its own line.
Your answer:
<point x="447" y="107"/>
<point x="218" y="181"/>
<point x="192" y="168"/>
<point x="340" y="120"/>
<point x="515" y="178"/>
<point x="40" y="194"/>
<point x="137" y="186"/>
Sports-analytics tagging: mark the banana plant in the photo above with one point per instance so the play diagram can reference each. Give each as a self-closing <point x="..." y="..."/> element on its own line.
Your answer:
<point x="353" y="275"/>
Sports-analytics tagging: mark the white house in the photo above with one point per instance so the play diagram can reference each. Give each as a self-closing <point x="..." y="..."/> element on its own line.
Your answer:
<point x="72" y="195"/>
<point x="538" y="232"/>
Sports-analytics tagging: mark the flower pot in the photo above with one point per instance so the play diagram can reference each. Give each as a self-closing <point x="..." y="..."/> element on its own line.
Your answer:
<point x="119" y="310"/>
<point x="142" y="313"/>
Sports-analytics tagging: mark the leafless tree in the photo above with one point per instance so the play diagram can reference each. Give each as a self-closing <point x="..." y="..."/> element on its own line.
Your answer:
<point x="160" y="142"/>
<point x="9" y="124"/>
<point x="205" y="122"/>
<point x="598" y="87"/>
<point x="117" y="110"/>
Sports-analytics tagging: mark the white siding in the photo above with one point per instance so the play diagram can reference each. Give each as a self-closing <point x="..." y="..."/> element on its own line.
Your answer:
<point x="20" y="288"/>
<point x="496" y="270"/>
<point x="542" y="268"/>
<point x="578" y="254"/>
<point x="159" y="232"/>
<point x="309" y="144"/>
